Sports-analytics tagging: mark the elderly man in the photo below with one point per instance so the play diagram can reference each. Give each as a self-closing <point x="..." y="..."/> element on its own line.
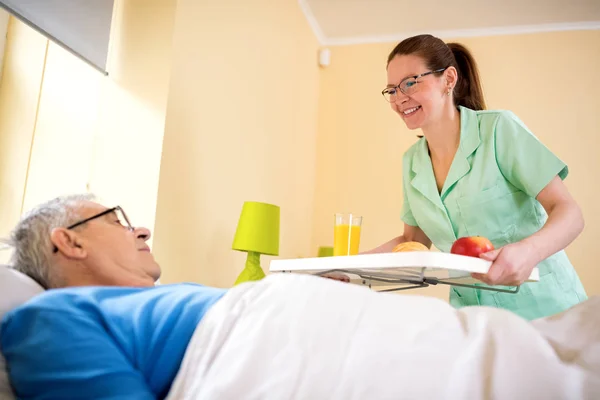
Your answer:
<point x="118" y="336"/>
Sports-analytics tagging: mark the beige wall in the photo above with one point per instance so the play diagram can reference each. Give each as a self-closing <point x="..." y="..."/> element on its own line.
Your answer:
<point x="241" y="125"/>
<point x="23" y="69"/>
<point x="127" y="147"/>
<point x="547" y="79"/>
<point x="66" y="128"/>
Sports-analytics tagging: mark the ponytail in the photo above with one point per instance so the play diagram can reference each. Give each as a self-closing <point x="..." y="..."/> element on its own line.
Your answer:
<point x="468" y="91"/>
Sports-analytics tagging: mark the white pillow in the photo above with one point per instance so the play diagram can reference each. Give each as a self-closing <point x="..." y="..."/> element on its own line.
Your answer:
<point x="15" y="288"/>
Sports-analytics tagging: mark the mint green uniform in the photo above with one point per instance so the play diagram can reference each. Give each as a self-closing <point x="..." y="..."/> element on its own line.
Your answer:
<point x="498" y="170"/>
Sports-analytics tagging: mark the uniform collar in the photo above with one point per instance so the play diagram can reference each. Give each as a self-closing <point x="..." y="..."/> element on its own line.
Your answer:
<point x="424" y="180"/>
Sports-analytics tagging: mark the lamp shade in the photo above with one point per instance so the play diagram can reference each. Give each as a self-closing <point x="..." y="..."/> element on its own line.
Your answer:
<point x="258" y="229"/>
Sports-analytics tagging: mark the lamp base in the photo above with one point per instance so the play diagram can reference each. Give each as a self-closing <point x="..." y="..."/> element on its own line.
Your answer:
<point x="252" y="271"/>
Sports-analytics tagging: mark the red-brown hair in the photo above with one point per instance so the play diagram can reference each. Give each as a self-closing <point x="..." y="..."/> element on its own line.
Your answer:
<point x="439" y="55"/>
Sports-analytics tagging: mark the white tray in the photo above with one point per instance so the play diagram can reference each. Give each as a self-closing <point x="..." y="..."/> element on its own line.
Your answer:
<point x="392" y="269"/>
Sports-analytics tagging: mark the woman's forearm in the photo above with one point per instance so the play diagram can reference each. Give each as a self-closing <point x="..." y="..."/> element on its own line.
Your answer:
<point x="565" y="222"/>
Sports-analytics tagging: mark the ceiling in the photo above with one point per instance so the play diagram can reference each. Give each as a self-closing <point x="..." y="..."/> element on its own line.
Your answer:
<point x="367" y="21"/>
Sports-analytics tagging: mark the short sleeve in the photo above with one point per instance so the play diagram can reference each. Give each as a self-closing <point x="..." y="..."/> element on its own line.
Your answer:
<point x="522" y="158"/>
<point x="406" y="214"/>
<point x="58" y="355"/>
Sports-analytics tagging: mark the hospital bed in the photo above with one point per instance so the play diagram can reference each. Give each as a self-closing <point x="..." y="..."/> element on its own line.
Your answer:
<point x="284" y="337"/>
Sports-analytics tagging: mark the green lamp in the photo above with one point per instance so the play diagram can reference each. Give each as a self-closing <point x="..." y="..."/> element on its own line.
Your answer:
<point x="257" y="233"/>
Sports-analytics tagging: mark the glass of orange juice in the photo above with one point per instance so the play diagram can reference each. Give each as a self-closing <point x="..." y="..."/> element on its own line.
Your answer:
<point x="346" y="234"/>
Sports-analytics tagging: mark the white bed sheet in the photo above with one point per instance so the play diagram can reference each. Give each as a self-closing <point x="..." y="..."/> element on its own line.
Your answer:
<point x="303" y="337"/>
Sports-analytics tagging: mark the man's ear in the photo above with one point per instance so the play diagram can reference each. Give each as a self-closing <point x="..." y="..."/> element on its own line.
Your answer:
<point x="68" y="243"/>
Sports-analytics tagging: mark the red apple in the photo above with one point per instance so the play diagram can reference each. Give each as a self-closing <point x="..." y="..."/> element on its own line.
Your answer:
<point x="471" y="246"/>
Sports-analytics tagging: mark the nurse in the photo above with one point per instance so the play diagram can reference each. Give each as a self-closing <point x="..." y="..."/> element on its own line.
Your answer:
<point x="476" y="172"/>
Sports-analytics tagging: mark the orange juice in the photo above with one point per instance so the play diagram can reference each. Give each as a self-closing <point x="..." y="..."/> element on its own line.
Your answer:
<point x="346" y="240"/>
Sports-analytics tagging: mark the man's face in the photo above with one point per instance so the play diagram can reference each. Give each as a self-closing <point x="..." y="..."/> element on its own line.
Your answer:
<point x="108" y="250"/>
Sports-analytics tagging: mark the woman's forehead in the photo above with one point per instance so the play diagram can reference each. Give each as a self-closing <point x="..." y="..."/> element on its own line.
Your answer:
<point x="403" y="66"/>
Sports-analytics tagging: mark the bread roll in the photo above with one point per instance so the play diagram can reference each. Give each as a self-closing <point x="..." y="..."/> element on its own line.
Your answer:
<point x="410" y="246"/>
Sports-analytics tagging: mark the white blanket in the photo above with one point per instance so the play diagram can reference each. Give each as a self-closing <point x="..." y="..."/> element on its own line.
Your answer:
<point x="303" y="337"/>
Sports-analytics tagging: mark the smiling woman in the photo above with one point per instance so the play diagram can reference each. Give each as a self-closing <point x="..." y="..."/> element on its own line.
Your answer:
<point x="484" y="173"/>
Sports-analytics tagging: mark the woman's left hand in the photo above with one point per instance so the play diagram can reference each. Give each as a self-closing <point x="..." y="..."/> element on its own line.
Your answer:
<point x="511" y="265"/>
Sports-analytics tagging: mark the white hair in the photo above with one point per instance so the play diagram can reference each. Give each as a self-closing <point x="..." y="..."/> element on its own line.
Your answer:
<point x="30" y="239"/>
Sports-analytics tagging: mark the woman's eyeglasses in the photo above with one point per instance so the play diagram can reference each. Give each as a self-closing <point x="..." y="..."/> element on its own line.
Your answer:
<point x="408" y="86"/>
